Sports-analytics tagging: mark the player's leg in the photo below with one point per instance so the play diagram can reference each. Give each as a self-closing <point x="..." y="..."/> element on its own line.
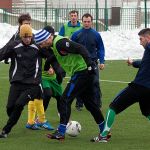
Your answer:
<point x="47" y="96"/>
<point x="71" y="91"/>
<point x="123" y="100"/>
<point x="31" y="116"/>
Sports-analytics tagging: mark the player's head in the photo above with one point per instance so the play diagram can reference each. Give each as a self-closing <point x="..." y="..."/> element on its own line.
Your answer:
<point x="73" y="16"/>
<point x="26" y="34"/>
<point x="44" y="38"/>
<point x="144" y="36"/>
<point x="87" y="20"/>
<point x="24" y="19"/>
<point x="50" y="29"/>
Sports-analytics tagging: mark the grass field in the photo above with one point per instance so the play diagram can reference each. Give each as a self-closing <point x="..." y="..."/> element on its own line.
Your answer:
<point x="130" y="131"/>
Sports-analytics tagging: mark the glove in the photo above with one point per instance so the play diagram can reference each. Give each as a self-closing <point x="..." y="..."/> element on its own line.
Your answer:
<point x="92" y="68"/>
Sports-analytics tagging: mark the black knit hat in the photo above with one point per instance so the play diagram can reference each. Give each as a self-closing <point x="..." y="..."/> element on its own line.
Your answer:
<point x="50" y="29"/>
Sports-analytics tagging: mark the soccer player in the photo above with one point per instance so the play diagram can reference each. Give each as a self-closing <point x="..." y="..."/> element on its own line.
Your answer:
<point x="22" y="19"/>
<point x="71" y="26"/>
<point x="51" y="82"/>
<point x="137" y="91"/>
<point x="76" y="62"/>
<point x="25" y="75"/>
<point x="93" y="42"/>
<point x="67" y="30"/>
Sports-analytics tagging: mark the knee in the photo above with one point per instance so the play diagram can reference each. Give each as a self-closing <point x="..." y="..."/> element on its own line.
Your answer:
<point x="47" y="94"/>
<point x="9" y="110"/>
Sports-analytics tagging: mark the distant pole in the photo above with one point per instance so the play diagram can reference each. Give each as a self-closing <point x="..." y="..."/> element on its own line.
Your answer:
<point x="145" y="1"/>
<point x="97" y="15"/>
<point x="106" y="16"/>
<point x="45" y="12"/>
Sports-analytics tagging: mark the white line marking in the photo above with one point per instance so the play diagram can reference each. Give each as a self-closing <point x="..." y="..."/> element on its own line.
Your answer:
<point x="111" y="81"/>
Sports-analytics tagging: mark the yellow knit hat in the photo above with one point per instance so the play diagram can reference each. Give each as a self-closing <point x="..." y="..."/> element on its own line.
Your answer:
<point x="25" y="30"/>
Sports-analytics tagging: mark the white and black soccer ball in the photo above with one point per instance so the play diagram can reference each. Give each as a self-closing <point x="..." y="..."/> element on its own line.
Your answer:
<point x="73" y="128"/>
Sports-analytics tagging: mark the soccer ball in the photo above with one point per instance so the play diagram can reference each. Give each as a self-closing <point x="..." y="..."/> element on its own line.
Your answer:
<point x="73" y="128"/>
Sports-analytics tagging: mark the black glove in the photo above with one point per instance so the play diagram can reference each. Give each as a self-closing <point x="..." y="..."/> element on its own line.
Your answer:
<point x="92" y="68"/>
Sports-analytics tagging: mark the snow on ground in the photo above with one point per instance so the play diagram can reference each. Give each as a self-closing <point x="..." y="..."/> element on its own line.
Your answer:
<point x="118" y="44"/>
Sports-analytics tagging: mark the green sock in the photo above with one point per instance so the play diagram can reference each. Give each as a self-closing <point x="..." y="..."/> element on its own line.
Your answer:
<point x="109" y="121"/>
<point x="148" y="117"/>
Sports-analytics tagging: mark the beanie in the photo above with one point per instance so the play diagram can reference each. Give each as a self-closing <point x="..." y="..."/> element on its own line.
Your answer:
<point x="50" y="29"/>
<point x="41" y="36"/>
<point x="25" y="30"/>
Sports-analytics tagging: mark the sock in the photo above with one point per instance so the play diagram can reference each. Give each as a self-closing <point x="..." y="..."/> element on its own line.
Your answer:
<point x="148" y="117"/>
<point x="109" y="121"/>
<point x="31" y="112"/>
<point x="62" y="129"/>
<point x="40" y="110"/>
<point x="101" y="126"/>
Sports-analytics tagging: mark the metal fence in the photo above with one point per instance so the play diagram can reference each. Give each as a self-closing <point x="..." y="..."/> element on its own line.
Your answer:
<point x="107" y="19"/>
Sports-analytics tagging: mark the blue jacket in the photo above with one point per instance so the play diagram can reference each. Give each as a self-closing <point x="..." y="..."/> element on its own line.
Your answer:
<point x="143" y="74"/>
<point x="92" y="40"/>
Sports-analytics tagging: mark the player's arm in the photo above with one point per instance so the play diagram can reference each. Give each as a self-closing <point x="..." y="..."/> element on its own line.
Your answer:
<point x="65" y="46"/>
<point x="62" y="31"/>
<point x="52" y="61"/>
<point x="7" y="50"/>
<point x="135" y="64"/>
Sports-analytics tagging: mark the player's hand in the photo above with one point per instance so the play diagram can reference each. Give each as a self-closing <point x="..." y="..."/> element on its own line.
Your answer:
<point x="129" y="62"/>
<point x="101" y="66"/>
<point x="51" y="71"/>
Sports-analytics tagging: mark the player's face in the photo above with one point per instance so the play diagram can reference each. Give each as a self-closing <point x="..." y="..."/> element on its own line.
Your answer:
<point x="144" y="40"/>
<point x="26" y="22"/>
<point x="73" y="18"/>
<point x="27" y="40"/>
<point x="87" y="22"/>
<point x="48" y="42"/>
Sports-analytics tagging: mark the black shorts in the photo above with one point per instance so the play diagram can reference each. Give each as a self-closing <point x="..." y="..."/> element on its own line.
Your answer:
<point x="130" y="95"/>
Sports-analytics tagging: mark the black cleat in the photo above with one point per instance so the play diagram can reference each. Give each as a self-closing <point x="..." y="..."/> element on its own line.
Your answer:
<point x="3" y="134"/>
<point x="56" y="135"/>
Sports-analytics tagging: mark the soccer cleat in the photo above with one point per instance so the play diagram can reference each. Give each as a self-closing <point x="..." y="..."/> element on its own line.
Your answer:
<point x="109" y="135"/>
<point x="3" y="134"/>
<point x="45" y="125"/>
<point x="32" y="126"/>
<point x="56" y="135"/>
<point x="99" y="138"/>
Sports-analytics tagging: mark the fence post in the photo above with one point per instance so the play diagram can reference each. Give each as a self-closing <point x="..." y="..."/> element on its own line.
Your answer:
<point x="45" y="12"/>
<point x="4" y="16"/>
<point x="106" y="16"/>
<point x="145" y="1"/>
<point x="56" y="18"/>
<point x="97" y="13"/>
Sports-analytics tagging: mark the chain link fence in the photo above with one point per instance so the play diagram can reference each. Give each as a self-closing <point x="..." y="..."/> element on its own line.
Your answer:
<point x="107" y="14"/>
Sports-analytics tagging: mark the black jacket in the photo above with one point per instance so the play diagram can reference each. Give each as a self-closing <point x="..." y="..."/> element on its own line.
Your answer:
<point x="26" y="62"/>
